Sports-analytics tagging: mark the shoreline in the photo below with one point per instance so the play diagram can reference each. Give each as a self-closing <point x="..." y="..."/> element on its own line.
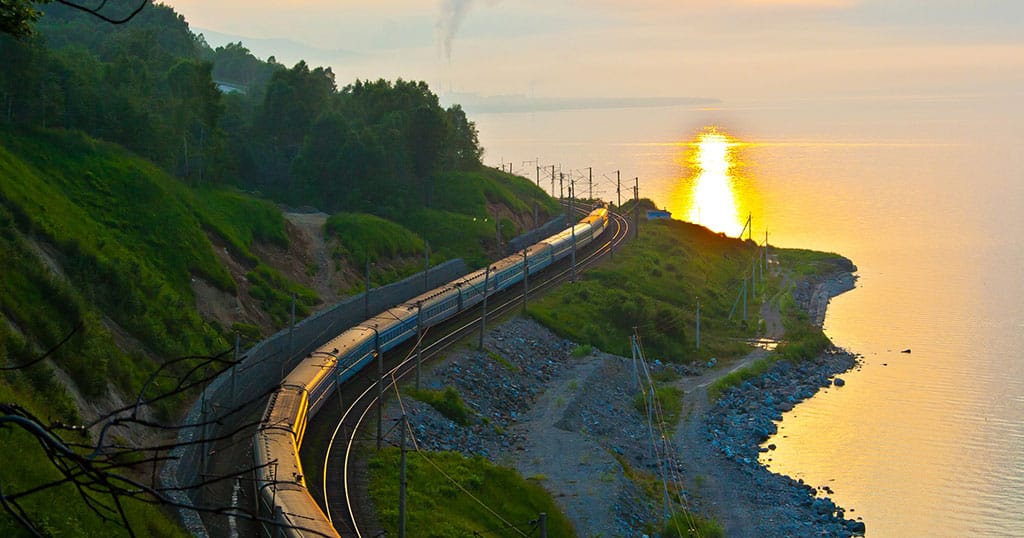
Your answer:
<point x="746" y="416"/>
<point x="569" y="422"/>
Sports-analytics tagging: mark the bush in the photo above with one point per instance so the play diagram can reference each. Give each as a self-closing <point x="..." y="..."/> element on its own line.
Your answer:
<point x="448" y="402"/>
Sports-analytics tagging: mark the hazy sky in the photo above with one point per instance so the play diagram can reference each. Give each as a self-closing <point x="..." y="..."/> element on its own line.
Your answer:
<point x="726" y="49"/>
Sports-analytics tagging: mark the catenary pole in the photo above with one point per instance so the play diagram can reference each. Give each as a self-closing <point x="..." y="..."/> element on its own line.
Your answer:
<point x="526" y="280"/>
<point x="483" y="315"/>
<point x="572" y="220"/>
<point x="380" y="385"/>
<point x="402" y="483"/>
<point x="366" y="292"/>
<point x="618" y="188"/>
<point x="636" y="207"/>
<point x="419" y="340"/>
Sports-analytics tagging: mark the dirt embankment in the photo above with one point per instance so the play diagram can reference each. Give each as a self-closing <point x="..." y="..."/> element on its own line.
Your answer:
<point x="306" y="260"/>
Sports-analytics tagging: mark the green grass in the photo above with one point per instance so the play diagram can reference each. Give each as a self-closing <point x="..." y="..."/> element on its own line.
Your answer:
<point x="469" y="193"/>
<point x="368" y="237"/>
<point x="802" y="343"/>
<point x="453" y="235"/>
<point x="274" y="292"/>
<point x="653" y="284"/>
<point x="690" y="525"/>
<point x="503" y="361"/>
<point x="26" y="467"/>
<point x="448" y="402"/>
<point x="669" y="399"/>
<point x="239" y="219"/>
<point x="583" y="350"/>
<point x="804" y="262"/>
<point x="439" y="508"/>
<point x="121" y="230"/>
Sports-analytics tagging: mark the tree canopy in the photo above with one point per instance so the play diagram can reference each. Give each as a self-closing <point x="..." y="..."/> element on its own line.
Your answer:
<point x="223" y="115"/>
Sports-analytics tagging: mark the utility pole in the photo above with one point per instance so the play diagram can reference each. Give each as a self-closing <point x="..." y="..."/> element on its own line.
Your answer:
<point x="561" y="185"/>
<point x="763" y="274"/>
<point x="538" y="171"/>
<point x="402" y="484"/>
<point x="419" y="340"/>
<point x="572" y="222"/>
<point x="753" y="279"/>
<point x="744" y="297"/>
<point x="552" y="180"/>
<point x="590" y="170"/>
<point x="636" y="207"/>
<point x="497" y="233"/>
<point x="543" y="525"/>
<point x="483" y="316"/>
<point x="698" y="324"/>
<point x="426" y="265"/>
<point x="526" y="279"/>
<point x="234" y="367"/>
<point x="366" y="293"/>
<point x="291" y="328"/>
<point x="618" y="188"/>
<point x="380" y="384"/>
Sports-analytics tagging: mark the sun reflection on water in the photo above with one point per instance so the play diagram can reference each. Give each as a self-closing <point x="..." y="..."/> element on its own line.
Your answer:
<point x="713" y="200"/>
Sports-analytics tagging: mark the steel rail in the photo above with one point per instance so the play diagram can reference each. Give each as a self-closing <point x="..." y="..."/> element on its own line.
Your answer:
<point x="451" y="336"/>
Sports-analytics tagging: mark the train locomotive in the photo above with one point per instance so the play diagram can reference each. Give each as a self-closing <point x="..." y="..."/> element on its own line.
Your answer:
<point x="281" y="485"/>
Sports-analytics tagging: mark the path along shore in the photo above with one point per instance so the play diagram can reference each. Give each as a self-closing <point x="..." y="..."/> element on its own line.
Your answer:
<point x="571" y="424"/>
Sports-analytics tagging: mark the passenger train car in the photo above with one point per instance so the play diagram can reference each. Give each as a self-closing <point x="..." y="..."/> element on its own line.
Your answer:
<point x="281" y="484"/>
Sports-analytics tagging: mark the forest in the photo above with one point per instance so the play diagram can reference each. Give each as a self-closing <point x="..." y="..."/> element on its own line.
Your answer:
<point x="222" y="116"/>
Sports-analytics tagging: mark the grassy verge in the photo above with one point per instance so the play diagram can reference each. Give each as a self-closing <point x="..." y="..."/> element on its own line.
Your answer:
<point x="448" y="402"/>
<point x="33" y="468"/>
<point x="803" y="340"/>
<point x="441" y="507"/>
<point x="690" y="525"/>
<point x="653" y="284"/>
<point x="669" y="399"/>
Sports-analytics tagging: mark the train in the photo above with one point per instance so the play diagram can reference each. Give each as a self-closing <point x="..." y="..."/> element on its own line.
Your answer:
<point x="281" y="485"/>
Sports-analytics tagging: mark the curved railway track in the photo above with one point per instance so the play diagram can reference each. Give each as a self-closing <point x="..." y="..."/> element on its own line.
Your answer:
<point x="338" y="495"/>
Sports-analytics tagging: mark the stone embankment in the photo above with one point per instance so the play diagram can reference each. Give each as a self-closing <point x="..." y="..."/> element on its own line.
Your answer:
<point x="745" y="417"/>
<point x="570" y="422"/>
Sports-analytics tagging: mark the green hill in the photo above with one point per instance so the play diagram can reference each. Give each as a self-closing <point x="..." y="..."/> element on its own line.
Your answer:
<point x="93" y="236"/>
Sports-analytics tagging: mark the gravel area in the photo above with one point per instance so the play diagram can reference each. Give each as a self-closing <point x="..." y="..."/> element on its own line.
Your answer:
<point x="566" y="421"/>
<point x="570" y="423"/>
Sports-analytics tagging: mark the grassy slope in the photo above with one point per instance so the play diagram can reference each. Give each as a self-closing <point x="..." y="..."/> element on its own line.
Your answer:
<point x="803" y="340"/>
<point x="128" y="239"/>
<point x="437" y="507"/>
<point x="653" y="284"/>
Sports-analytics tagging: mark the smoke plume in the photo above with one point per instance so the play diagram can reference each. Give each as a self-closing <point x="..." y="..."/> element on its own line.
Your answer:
<point x="452" y="13"/>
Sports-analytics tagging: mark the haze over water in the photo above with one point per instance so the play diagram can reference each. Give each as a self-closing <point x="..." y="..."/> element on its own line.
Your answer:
<point x="929" y="443"/>
<point x="888" y="131"/>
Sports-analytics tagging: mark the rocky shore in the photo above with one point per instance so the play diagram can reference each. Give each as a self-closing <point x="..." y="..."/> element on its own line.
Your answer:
<point x="570" y="422"/>
<point x="745" y="417"/>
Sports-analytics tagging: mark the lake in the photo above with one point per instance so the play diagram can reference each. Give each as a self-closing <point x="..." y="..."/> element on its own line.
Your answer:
<point x="926" y="196"/>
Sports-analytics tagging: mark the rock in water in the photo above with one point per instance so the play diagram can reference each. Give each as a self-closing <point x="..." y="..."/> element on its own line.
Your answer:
<point x="839" y="382"/>
<point x="905" y="350"/>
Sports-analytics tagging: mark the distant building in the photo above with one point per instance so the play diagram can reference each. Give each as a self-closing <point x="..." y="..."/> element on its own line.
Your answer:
<point x="658" y="214"/>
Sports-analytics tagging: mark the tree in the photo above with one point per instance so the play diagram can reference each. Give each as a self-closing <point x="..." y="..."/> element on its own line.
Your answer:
<point x="17" y="16"/>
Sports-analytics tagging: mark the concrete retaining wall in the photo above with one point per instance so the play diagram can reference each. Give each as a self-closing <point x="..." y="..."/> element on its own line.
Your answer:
<point x="263" y="366"/>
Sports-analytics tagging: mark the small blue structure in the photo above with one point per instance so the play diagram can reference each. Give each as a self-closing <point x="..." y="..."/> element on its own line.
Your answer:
<point x="658" y="214"/>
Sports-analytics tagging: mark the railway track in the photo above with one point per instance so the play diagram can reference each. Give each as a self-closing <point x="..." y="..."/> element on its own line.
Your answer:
<point x="338" y="494"/>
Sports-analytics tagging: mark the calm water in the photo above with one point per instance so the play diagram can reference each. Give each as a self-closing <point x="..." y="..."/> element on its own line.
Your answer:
<point x="927" y="198"/>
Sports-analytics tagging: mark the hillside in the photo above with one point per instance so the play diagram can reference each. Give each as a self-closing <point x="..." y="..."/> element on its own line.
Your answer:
<point x="153" y="269"/>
